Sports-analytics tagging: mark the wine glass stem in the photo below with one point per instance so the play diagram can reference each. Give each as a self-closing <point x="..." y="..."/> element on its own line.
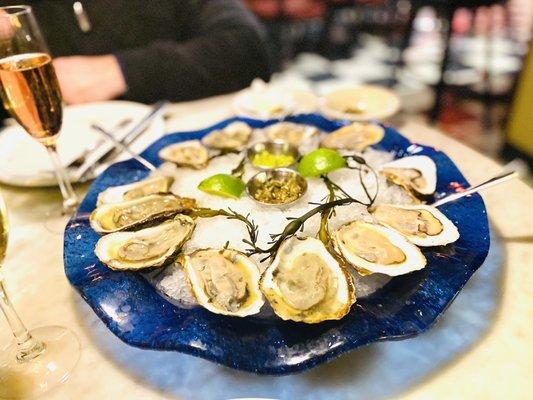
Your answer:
<point x="70" y="200"/>
<point x="28" y="347"/>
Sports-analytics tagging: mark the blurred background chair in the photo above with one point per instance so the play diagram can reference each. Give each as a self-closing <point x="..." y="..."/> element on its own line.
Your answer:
<point x="447" y="10"/>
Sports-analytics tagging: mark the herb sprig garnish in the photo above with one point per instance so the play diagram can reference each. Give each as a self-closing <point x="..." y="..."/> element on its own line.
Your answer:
<point x="238" y="171"/>
<point x="323" y="232"/>
<point x="251" y="227"/>
<point x="336" y="197"/>
<point x="363" y="166"/>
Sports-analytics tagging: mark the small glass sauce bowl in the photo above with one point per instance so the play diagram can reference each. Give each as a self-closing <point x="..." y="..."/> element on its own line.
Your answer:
<point x="276" y="148"/>
<point x="280" y="175"/>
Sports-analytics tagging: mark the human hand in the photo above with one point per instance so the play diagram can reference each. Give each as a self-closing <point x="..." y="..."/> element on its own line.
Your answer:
<point x="6" y="26"/>
<point x="89" y="78"/>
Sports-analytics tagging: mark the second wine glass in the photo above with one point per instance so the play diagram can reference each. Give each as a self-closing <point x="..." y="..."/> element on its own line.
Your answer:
<point x="38" y="360"/>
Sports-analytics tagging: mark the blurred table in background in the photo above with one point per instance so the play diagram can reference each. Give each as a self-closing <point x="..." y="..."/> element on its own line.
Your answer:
<point x="498" y="366"/>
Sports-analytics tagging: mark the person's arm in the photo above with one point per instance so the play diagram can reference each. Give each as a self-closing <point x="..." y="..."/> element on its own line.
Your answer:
<point x="226" y="50"/>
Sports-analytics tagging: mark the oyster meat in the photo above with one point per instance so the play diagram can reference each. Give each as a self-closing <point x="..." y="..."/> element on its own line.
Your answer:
<point x="131" y="191"/>
<point x="232" y="137"/>
<point x="108" y="218"/>
<point x="371" y="248"/>
<point x="354" y="137"/>
<point x="416" y="174"/>
<point x="423" y="225"/>
<point x="292" y="133"/>
<point x="306" y="283"/>
<point x="147" y="248"/>
<point x="224" y="281"/>
<point x="190" y="154"/>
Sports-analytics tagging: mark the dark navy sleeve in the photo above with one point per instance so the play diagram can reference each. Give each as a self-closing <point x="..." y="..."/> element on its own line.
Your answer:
<point x="225" y="50"/>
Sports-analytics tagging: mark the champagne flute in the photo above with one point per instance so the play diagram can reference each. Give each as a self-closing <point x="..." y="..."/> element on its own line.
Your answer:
<point x="29" y="87"/>
<point x="36" y="361"/>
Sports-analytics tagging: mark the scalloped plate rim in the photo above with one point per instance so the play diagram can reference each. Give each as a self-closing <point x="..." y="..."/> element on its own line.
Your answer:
<point x="274" y="370"/>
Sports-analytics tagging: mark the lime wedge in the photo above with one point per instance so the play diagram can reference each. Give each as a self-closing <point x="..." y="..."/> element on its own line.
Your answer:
<point x="320" y="162"/>
<point x="223" y="185"/>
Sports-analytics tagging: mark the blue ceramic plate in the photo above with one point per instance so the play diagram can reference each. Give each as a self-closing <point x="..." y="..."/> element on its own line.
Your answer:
<point x="406" y="306"/>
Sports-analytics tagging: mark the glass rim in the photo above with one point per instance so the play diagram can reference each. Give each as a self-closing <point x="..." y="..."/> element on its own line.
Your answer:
<point x="22" y="9"/>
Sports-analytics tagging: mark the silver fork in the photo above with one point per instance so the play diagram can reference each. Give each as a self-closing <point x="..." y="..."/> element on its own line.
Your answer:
<point x="82" y="157"/>
<point x="495" y="180"/>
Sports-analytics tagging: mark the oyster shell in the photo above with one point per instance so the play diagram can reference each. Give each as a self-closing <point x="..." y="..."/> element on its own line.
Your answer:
<point x="306" y="283"/>
<point x="232" y="137"/>
<point x="422" y="225"/>
<point x="371" y="248"/>
<point x="354" y="137"/>
<point x="190" y="153"/>
<point x="292" y="133"/>
<point x="224" y="281"/>
<point x="416" y="174"/>
<point x="147" y="248"/>
<point x="131" y="191"/>
<point x="108" y="218"/>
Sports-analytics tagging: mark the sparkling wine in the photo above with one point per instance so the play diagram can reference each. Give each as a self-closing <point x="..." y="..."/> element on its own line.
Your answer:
<point x="30" y="92"/>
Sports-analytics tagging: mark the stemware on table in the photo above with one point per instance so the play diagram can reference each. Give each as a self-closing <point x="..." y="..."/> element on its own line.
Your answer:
<point x="29" y="87"/>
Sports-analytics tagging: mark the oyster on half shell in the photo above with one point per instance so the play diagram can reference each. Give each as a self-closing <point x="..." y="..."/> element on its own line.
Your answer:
<point x="224" y="281"/>
<point x="135" y="190"/>
<point x="108" y="218"/>
<point x="190" y="153"/>
<point x="147" y="248"/>
<point x="371" y="248"/>
<point x="292" y="133"/>
<point x="417" y="174"/>
<point x="305" y="283"/>
<point x="423" y="225"/>
<point x="232" y="137"/>
<point x="354" y="137"/>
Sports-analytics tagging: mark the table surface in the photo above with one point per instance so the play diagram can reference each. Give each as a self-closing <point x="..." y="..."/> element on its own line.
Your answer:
<point x="499" y="365"/>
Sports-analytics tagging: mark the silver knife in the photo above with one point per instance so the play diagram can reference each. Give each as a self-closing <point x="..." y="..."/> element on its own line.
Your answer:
<point x="138" y="129"/>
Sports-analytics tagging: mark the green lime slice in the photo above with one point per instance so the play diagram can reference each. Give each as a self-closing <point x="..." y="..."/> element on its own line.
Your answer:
<point x="320" y="162"/>
<point x="223" y="185"/>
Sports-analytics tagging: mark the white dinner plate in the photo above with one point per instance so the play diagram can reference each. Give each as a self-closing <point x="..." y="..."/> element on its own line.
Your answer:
<point x="25" y="162"/>
<point x="378" y="102"/>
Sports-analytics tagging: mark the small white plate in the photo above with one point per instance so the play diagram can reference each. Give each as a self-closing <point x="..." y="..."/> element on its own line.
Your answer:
<point x="24" y="161"/>
<point x="265" y="101"/>
<point x="379" y="103"/>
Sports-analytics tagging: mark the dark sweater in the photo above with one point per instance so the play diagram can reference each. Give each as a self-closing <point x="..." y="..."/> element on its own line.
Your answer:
<point x="167" y="49"/>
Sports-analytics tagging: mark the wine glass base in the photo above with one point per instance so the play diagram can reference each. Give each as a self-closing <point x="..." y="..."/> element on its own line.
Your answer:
<point x="55" y="220"/>
<point x="29" y="379"/>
